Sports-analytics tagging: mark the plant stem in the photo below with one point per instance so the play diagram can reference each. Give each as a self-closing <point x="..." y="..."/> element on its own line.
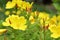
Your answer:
<point x="44" y="34"/>
<point x="5" y="38"/>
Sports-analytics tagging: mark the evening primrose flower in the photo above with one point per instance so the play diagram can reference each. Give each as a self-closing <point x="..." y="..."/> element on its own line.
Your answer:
<point x="32" y="20"/>
<point x="55" y="30"/>
<point x="43" y="15"/>
<point x="35" y="13"/>
<point x="13" y="4"/>
<point x="44" y="19"/>
<point x="2" y="31"/>
<point x="16" y="22"/>
<point x="54" y="26"/>
<point x="26" y="5"/>
<point x="53" y="20"/>
<point x="10" y="20"/>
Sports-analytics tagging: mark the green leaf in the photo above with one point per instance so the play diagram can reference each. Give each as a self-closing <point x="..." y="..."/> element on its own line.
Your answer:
<point x="57" y="6"/>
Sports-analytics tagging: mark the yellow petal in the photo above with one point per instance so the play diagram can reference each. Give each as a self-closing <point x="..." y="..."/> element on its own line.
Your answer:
<point x="7" y="12"/>
<point x="23" y="27"/>
<point x="58" y="18"/>
<point x="22" y="20"/>
<point x="10" y="5"/>
<point x="5" y="24"/>
<point x="55" y="35"/>
<point x="32" y="20"/>
<point x="2" y="31"/>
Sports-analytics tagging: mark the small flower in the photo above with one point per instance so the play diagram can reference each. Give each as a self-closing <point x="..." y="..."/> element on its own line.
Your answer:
<point x="44" y="19"/>
<point x="32" y="20"/>
<point x="43" y="15"/>
<point x="7" y="12"/>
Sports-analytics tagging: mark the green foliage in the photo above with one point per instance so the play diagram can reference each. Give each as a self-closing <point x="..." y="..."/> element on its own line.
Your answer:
<point x="56" y="4"/>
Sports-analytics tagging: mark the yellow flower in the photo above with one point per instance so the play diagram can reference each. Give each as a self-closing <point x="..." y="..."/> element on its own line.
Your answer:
<point x="54" y="26"/>
<point x="2" y="31"/>
<point x="44" y="19"/>
<point x="16" y="22"/>
<point x="43" y="15"/>
<point x="32" y="20"/>
<point x="7" y="12"/>
<point x="55" y="30"/>
<point x="58" y="17"/>
<point x="13" y="4"/>
<point x="35" y="13"/>
<point x="26" y="5"/>
<point x="53" y="20"/>
<point x="44" y="23"/>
